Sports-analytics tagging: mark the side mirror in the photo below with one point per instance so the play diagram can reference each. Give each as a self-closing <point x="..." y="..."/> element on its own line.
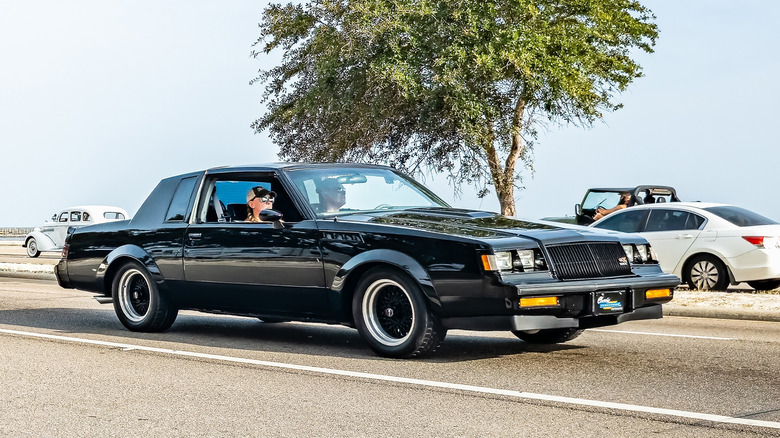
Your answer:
<point x="54" y="217"/>
<point x="578" y="209"/>
<point x="272" y="216"/>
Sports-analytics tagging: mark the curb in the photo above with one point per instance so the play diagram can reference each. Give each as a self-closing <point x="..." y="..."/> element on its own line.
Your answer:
<point x="37" y="272"/>
<point x="728" y="313"/>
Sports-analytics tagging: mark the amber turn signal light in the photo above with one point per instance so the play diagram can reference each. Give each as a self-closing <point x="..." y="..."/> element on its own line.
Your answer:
<point x="538" y="301"/>
<point x="658" y="293"/>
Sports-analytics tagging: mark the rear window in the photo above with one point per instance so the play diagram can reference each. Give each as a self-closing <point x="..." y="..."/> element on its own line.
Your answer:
<point x="739" y="216"/>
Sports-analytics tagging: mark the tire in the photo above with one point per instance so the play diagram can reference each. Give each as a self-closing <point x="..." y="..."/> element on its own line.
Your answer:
<point x="548" y="336"/>
<point x="764" y="284"/>
<point x="138" y="302"/>
<point x="706" y="272"/>
<point x="32" y="248"/>
<point x="392" y="316"/>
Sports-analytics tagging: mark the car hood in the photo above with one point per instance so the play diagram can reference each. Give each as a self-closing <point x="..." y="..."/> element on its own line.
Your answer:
<point x="481" y="224"/>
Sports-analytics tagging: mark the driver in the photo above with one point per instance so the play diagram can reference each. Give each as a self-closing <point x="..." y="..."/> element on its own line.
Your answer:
<point x="258" y="199"/>
<point x="625" y="200"/>
<point x="332" y="195"/>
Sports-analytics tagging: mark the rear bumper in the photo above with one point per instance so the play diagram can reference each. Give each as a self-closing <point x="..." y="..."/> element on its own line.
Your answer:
<point x="61" y="272"/>
<point x="542" y="322"/>
<point x="761" y="264"/>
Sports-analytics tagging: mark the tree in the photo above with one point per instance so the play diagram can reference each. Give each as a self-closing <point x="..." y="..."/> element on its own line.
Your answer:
<point x="453" y="86"/>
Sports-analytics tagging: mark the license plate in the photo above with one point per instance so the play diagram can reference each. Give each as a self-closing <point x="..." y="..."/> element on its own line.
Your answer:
<point x="609" y="302"/>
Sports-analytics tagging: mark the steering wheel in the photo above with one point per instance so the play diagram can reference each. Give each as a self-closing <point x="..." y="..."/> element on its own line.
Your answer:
<point x="383" y="207"/>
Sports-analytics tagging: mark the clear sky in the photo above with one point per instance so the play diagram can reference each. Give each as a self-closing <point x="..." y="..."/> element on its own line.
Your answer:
<point x="99" y="100"/>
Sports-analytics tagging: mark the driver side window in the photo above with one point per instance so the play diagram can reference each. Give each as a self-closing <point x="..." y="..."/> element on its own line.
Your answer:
<point x="626" y="221"/>
<point x="225" y="198"/>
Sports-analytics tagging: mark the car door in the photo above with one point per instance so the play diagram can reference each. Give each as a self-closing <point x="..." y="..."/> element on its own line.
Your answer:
<point x="60" y="229"/>
<point x="671" y="232"/>
<point x="253" y="267"/>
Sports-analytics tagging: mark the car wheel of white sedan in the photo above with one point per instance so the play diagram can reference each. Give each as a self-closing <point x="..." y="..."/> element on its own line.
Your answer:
<point x="32" y="247"/>
<point x="706" y="272"/>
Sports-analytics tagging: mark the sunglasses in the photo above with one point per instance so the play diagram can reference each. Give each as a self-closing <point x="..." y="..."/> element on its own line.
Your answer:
<point x="267" y="199"/>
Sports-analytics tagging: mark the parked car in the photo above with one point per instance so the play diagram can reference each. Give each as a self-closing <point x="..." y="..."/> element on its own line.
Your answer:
<point x="359" y="245"/>
<point x="708" y="245"/>
<point x="609" y="197"/>
<point x="51" y="235"/>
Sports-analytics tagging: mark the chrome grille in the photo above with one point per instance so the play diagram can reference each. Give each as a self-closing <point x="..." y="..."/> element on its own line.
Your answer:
<point x="589" y="260"/>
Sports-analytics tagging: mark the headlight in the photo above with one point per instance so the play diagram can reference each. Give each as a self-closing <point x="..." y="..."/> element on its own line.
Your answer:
<point x="523" y="260"/>
<point x="526" y="257"/>
<point x="642" y="250"/>
<point x="640" y="254"/>
<point x="504" y="261"/>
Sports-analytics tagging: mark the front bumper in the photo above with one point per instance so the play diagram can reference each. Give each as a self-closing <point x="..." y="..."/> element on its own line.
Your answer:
<point x="543" y="322"/>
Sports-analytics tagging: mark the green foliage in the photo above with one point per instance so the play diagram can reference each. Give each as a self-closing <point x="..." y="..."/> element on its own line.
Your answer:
<point x="445" y="85"/>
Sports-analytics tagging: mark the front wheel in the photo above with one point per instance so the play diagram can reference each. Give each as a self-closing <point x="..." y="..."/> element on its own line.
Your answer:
<point x="392" y="316"/>
<point x="138" y="302"/>
<point x="548" y="336"/>
<point x="32" y="248"/>
<point x="706" y="272"/>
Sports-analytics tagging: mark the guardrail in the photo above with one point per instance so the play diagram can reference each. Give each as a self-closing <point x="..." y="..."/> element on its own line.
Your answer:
<point x="15" y="231"/>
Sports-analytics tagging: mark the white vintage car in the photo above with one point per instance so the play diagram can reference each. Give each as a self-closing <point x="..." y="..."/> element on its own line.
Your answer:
<point x="51" y="235"/>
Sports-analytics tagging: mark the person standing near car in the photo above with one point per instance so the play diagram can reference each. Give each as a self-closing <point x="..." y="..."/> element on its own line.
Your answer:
<point x="625" y="199"/>
<point x="258" y="199"/>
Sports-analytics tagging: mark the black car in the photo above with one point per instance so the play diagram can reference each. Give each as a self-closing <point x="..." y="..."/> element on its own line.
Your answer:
<point x="359" y="245"/>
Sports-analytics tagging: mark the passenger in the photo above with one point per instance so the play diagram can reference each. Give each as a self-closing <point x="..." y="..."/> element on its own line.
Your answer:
<point x="625" y="199"/>
<point x="332" y="195"/>
<point x="649" y="198"/>
<point x="258" y="199"/>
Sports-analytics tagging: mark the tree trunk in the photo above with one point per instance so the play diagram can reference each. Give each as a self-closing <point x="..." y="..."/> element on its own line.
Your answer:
<point x="504" y="177"/>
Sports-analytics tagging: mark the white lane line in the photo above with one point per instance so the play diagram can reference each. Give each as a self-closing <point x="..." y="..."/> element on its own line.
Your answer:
<point x="418" y="382"/>
<point x="663" y="334"/>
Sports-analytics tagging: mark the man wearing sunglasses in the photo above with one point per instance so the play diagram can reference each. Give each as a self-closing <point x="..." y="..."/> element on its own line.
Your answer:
<point x="332" y="195"/>
<point x="258" y="199"/>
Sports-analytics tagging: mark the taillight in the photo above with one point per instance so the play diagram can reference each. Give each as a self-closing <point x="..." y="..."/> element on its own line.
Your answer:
<point x="65" y="249"/>
<point x="763" y="241"/>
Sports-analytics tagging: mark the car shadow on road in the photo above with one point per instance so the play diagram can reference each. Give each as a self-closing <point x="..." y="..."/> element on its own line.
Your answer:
<point x="250" y="334"/>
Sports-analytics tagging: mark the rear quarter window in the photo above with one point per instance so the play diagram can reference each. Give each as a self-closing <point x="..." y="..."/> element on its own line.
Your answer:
<point x="739" y="216"/>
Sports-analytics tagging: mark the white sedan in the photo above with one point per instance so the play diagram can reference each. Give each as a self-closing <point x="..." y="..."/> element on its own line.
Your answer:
<point x="708" y="245"/>
<point x="51" y="235"/>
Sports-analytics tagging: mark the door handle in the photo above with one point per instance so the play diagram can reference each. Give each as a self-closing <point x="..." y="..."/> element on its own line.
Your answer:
<point x="194" y="236"/>
<point x="685" y="236"/>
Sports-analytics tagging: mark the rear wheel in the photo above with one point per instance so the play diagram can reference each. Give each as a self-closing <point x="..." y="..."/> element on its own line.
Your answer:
<point x="706" y="272"/>
<point x="764" y="284"/>
<point x="392" y="316"/>
<point x="138" y="302"/>
<point x="548" y="336"/>
<point x="32" y="247"/>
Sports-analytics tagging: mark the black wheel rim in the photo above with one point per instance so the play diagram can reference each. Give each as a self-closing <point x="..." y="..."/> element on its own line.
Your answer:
<point x="134" y="295"/>
<point x="388" y="312"/>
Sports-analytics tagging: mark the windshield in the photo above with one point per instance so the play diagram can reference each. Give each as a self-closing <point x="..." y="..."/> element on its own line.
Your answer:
<point x="739" y="216"/>
<point x="332" y="191"/>
<point x="601" y="199"/>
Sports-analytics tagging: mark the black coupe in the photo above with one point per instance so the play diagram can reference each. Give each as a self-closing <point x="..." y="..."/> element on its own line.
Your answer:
<point x="359" y="245"/>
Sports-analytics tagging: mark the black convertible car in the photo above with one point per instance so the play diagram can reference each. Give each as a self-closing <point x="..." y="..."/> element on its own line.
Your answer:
<point x="358" y="245"/>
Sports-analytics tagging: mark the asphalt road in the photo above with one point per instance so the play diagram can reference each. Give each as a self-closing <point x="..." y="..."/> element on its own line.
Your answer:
<point x="69" y="368"/>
